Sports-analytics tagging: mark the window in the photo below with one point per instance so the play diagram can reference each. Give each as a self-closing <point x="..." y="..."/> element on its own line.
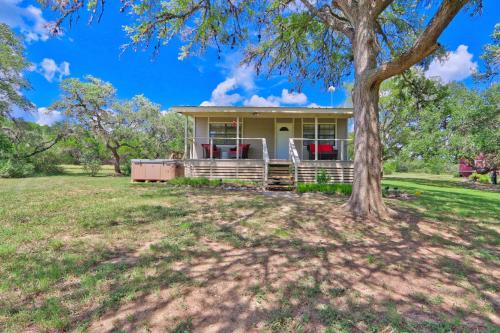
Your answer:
<point x="225" y="133"/>
<point x="325" y="131"/>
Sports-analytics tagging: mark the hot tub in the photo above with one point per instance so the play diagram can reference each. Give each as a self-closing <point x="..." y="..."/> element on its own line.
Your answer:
<point x="156" y="170"/>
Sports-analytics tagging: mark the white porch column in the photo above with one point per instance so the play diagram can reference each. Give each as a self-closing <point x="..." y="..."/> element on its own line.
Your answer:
<point x="194" y="153"/>
<point x="237" y="138"/>
<point x="186" y="137"/>
<point x="316" y="138"/>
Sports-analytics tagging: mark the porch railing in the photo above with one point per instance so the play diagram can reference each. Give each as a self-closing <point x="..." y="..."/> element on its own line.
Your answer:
<point x="265" y="155"/>
<point x="340" y="149"/>
<point x="294" y="157"/>
<point x="226" y="148"/>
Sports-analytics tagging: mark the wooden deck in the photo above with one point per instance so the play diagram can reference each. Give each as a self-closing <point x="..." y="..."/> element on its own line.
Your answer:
<point x="251" y="170"/>
<point x="339" y="171"/>
<point x="255" y="170"/>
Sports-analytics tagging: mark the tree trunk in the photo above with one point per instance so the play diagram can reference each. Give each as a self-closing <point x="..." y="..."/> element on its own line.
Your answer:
<point x="116" y="161"/>
<point x="366" y="198"/>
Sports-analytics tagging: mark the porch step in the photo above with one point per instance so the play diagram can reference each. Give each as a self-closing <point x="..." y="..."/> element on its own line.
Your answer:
<point x="279" y="187"/>
<point x="279" y="177"/>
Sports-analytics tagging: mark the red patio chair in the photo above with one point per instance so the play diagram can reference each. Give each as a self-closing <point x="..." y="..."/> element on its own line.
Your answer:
<point x="325" y="151"/>
<point x="206" y="151"/>
<point x="244" y="147"/>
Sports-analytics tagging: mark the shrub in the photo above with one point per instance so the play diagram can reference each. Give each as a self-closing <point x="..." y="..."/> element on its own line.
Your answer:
<point x="336" y="188"/>
<point x="194" y="181"/>
<point x="390" y="167"/>
<point x="126" y="168"/>
<point x="47" y="164"/>
<point x="90" y="164"/>
<point x="322" y="177"/>
<point x="16" y="169"/>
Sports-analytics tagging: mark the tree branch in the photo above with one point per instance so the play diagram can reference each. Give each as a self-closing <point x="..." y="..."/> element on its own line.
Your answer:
<point x="425" y="44"/>
<point x="346" y="6"/>
<point x="44" y="146"/>
<point x="378" y="6"/>
<point x="334" y="21"/>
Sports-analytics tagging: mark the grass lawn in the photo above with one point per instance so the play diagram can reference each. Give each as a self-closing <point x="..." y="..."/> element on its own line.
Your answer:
<point x="101" y="254"/>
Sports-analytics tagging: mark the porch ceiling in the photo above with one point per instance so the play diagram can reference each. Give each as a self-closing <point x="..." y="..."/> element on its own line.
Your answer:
<point x="264" y="112"/>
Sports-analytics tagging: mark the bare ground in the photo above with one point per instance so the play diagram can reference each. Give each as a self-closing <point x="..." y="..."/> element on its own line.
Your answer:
<point x="291" y="264"/>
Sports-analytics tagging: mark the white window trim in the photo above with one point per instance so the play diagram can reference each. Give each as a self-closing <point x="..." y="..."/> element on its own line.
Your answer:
<point x="328" y="123"/>
<point x="225" y="122"/>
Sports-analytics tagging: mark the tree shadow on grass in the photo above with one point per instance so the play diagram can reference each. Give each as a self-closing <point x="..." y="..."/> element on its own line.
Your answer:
<point x="350" y="274"/>
<point x="211" y="271"/>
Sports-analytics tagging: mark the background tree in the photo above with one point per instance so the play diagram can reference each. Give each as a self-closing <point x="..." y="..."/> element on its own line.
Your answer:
<point x="12" y="64"/>
<point x="424" y="120"/>
<point x="315" y="40"/>
<point x="24" y="146"/>
<point x="128" y="129"/>
<point x="491" y="57"/>
<point x="92" y="105"/>
<point x="413" y="116"/>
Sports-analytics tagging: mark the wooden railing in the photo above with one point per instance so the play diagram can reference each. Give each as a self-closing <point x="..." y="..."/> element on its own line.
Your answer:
<point x="265" y="155"/>
<point x="294" y="156"/>
<point x="341" y="146"/>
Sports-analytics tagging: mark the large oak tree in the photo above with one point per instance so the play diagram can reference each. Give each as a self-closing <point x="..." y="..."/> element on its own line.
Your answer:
<point x="316" y="40"/>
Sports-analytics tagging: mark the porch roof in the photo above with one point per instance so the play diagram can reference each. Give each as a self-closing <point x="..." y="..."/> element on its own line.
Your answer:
<point x="264" y="111"/>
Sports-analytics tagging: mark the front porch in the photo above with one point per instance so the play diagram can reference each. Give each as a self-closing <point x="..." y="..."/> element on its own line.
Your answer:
<point x="242" y="143"/>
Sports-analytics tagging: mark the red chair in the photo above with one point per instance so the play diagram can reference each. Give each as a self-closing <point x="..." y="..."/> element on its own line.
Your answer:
<point x="206" y="151"/>
<point x="244" y="147"/>
<point x="325" y="151"/>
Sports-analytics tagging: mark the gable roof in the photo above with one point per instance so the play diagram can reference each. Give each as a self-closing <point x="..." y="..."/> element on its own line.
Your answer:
<point x="254" y="110"/>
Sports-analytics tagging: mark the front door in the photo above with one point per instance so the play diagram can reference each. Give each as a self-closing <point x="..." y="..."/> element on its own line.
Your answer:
<point x="284" y="131"/>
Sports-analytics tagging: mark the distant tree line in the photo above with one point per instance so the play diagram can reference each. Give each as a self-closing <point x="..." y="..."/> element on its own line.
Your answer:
<point x="427" y="125"/>
<point x="98" y="127"/>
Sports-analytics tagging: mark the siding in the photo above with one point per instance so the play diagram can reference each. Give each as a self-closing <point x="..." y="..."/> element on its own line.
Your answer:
<point x="259" y="128"/>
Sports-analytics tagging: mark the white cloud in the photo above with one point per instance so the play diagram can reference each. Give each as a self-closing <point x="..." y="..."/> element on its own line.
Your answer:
<point x="239" y="77"/>
<point x="45" y="116"/>
<point x="50" y="69"/>
<point x="287" y="98"/>
<point x="29" y="20"/>
<point x="256" y="100"/>
<point x="240" y="83"/>
<point x="293" y="97"/>
<point x="456" y="66"/>
<point x="314" y="105"/>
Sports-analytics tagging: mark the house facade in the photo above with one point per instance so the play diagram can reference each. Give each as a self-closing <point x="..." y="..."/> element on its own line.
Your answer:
<point x="253" y="143"/>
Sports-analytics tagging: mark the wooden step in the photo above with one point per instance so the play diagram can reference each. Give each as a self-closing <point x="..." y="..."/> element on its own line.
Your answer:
<point x="273" y="187"/>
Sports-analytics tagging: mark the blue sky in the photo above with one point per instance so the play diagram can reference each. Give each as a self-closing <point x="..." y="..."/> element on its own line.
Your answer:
<point x="95" y="49"/>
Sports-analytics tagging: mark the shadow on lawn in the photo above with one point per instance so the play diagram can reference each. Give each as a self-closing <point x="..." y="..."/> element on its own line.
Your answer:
<point x="350" y="275"/>
<point x="327" y="270"/>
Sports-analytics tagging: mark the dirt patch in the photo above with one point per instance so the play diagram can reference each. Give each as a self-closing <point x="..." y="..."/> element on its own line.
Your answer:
<point x="310" y="267"/>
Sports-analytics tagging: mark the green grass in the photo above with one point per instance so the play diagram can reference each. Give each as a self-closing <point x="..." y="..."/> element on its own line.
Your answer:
<point x="337" y="188"/>
<point x="205" y="182"/>
<point x="74" y="249"/>
<point x="447" y="198"/>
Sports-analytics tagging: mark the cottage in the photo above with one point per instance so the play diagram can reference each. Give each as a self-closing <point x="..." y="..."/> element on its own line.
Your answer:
<point x="272" y="144"/>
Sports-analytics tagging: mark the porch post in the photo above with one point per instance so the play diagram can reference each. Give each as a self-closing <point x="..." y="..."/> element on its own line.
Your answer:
<point x="237" y="138"/>
<point x="316" y="138"/>
<point x="194" y="153"/>
<point x="186" y="137"/>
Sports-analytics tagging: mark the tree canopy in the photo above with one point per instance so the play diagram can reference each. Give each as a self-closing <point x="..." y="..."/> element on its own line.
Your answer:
<point x="12" y="64"/>
<point x="132" y="128"/>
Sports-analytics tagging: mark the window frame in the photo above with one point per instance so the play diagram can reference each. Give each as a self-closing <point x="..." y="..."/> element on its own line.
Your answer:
<point x="319" y="135"/>
<point x="226" y="141"/>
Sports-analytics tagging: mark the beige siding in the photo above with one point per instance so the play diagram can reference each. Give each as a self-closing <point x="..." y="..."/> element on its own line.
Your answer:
<point x="259" y="128"/>
<point x="342" y="128"/>
<point x="201" y="131"/>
